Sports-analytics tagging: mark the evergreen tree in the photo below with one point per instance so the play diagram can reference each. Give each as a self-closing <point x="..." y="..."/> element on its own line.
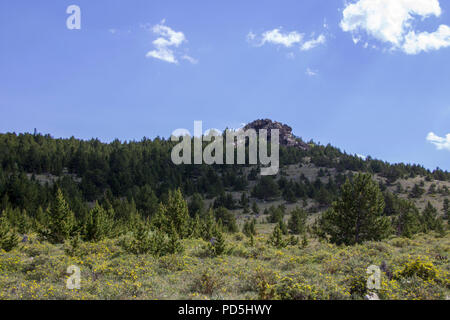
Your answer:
<point x="266" y="189"/>
<point x="255" y="208"/>
<point x="196" y="205"/>
<point x="159" y="221"/>
<point x="8" y="238"/>
<point x="174" y="244"/>
<point x="358" y="215"/>
<point x="297" y="222"/>
<point x="227" y="219"/>
<point x="276" y="238"/>
<point x="61" y="220"/>
<point x="429" y="219"/>
<point x="217" y="244"/>
<point x="177" y="213"/>
<point x="142" y="242"/>
<point x="417" y="191"/>
<point x="98" y="224"/>
<point x="208" y="226"/>
<point x="407" y="221"/>
<point x="249" y="228"/>
<point x="196" y="227"/>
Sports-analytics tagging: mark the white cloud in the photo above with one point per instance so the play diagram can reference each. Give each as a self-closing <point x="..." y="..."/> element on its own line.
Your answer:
<point x="311" y="73"/>
<point x="424" y="41"/>
<point x="361" y="156"/>
<point x="308" y="45"/>
<point x="190" y="59"/>
<point x="251" y="36"/>
<point x="441" y="143"/>
<point x="164" y="45"/>
<point x="286" y="39"/>
<point x="391" y="21"/>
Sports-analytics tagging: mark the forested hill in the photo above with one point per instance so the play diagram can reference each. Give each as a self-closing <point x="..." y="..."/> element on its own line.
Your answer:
<point x="33" y="166"/>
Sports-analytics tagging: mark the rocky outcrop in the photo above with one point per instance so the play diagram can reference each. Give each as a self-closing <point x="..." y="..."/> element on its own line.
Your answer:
<point x="286" y="137"/>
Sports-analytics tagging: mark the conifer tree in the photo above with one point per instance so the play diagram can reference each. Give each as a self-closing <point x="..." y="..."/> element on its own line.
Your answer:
<point x="98" y="224"/>
<point x="276" y="238"/>
<point x="407" y="221"/>
<point x="61" y="220"/>
<point x="8" y="238"/>
<point x="358" y="215"/>
<point x="208" y="226"/>
<point x="177" y="213"/>
<point x="429" y="219"/>
<point x="255" y="208"/>
<point x="195" y="231"/>
<point x="297" y="222"/>
<point x="142" y="242"/>
<point x="249" y="228"/>
<point x="174" y="244"/>
<point x="217" y="243"/>
<point x="159" y="220"/>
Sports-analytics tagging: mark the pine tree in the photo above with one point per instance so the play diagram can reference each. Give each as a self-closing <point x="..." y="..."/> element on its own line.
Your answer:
<point x="217" y="244"/>
<point x="297" y="222"/>
<point x="174" y="244"/>
<point x="177" y="213"/>
<point x="22" y="222"/>
<point x="8" y="238"/>
<point x="249" y="228"/>
<point x="159" y="220"/>
<point x="208" y="226"/>
<point x="195" y="227"/>
<point x="255" y="208"/>
<point x="283" y="227"/>
<point x="98" y="224"/>
<point x="276" y="238"/>
<point x="61" y="220"/>
<point x="142" y="242"/>
<point x="407" y="221"/>
<point x="358" y="215"/>
<point x="429" y="219"/>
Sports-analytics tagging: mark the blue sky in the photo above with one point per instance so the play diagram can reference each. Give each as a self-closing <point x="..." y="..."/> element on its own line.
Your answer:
<point x="337" y="72"/>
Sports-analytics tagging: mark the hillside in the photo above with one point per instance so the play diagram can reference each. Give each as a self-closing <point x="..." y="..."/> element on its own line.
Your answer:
<point x="142" y="228"/>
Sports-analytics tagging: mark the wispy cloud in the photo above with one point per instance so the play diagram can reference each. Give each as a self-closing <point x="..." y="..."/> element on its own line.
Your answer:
<point x="391" y="22"/>
<point x="311" y="73"/>
<point x="308" y="45"/>
<point x="285" y="39"/>
<point x="190" y="59"/>
<point x="165" y="44"/>
<point x="275" y="36"/>
<point x="441" y="143"/>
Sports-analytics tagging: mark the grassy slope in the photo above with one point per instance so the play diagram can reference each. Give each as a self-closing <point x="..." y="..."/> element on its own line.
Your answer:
<point x="318" y="271"/>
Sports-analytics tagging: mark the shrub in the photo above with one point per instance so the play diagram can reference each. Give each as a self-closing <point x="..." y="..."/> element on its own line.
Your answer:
<point x="420" y="267"/>
<point x="207" y="283"/>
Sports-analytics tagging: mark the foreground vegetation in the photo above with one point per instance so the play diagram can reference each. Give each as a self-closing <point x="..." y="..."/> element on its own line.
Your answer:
<point x="416" y="268"/>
